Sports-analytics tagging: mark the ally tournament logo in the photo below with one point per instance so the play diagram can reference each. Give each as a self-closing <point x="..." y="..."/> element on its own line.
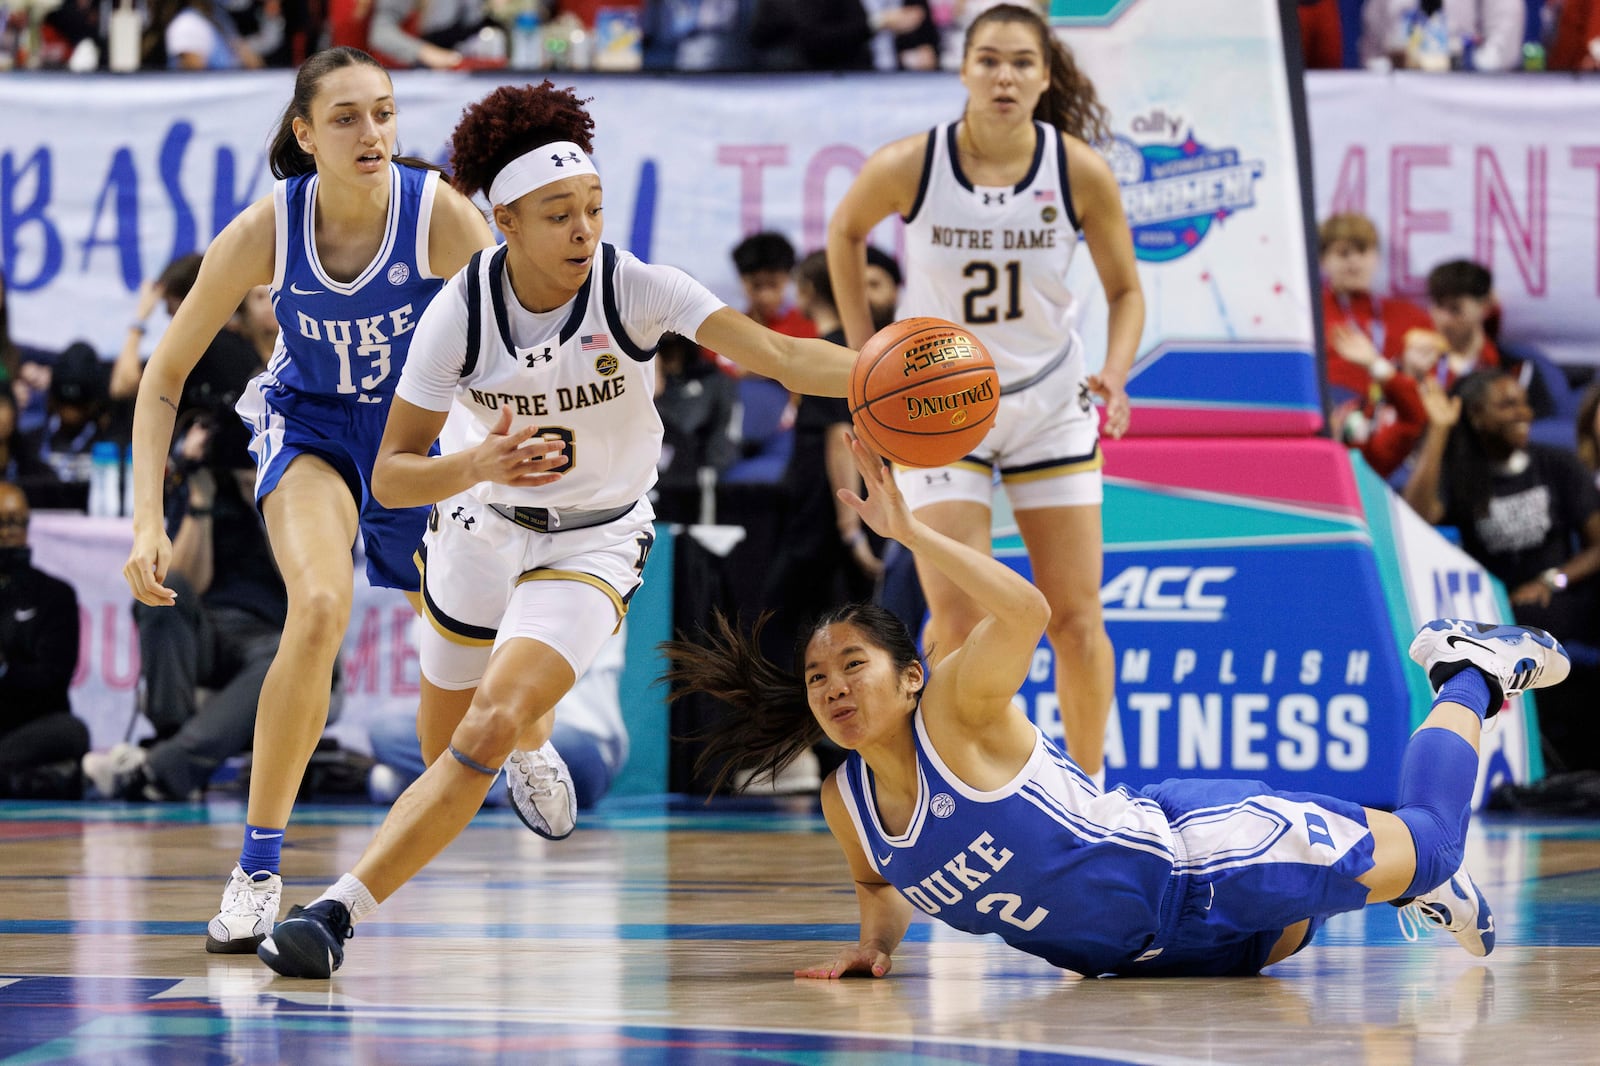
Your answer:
<point x="1175" y="187"/>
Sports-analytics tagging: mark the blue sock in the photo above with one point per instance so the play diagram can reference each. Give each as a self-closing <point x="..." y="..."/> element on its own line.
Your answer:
<point x="262" y="847"/>
<point x="1468" y="688"/>
<point x="1437" y="775"/>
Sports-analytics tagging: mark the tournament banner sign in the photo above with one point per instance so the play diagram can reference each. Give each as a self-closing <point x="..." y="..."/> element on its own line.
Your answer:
<point x="1261" y="596"/>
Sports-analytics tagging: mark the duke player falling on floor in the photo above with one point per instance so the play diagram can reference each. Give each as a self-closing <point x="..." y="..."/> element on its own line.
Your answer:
<point x="994" y="204"/>
<point x="540" y="353"/>
<point x="354" y="242"/>
<point x="952" y="802"/>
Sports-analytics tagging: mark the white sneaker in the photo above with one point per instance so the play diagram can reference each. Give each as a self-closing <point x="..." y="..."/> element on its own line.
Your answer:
<point x="541" y="791"/>
<point x="249" y="907"/>
<point x="118" y="773"/>
<point x="1458" y="908"/>
<point x="1512" y="658"/>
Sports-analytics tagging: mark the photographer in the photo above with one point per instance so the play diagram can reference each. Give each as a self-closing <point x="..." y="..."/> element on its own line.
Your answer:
<point x="224" y="629"/>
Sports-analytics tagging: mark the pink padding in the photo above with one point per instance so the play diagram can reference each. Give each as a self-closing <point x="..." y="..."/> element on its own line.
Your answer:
<point x="1305" y="470"/>
<point x="1191" y="422"/>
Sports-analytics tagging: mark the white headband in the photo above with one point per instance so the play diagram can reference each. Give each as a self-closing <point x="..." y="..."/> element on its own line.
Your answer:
<point x="544" y="165"/>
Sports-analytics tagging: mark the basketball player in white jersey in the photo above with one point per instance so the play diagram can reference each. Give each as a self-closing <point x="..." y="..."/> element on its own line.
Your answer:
<point x="953" y="803"/>
<point x="542" y="523"/>
<point x="994" y="204"/>
<point x="353" y="241"/>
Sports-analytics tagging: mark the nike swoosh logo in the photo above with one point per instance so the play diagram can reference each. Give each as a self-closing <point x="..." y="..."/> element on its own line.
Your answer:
<point x="256" y="834"/>
<point x="26" y="614"/>
<point x="1452" y="641"/>
<point x="298" y="291"/>
<point x="883" y="860"/>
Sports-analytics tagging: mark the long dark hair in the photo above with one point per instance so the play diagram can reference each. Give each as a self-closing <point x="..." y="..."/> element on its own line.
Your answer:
<point x="771" y="722"/>
<point x="1469" y="459"/>
<point x="285" y="154"/>
<point x="1071" y="103"/>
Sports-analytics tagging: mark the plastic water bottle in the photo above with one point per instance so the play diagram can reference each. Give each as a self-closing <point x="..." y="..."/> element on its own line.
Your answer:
<point x="527" y="41"/>
<point x="1533" y="56"/>
<point x="105" y="489"/>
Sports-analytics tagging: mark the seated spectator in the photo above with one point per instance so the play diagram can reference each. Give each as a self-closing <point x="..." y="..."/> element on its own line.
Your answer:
<point x="811" y="35"/>
<point x="765" y="262"/>
<point x="589" y="734"/>
<point x="223" y="631"/>
<point x="1577" y="37"/>
<point x="237" y="353"/>
<point x="201" y="35"/>
<point x="696" y="403"/>
<point x="1321" y="34"/>
<point x="1494" y="28"/>
<point x="697" y="34"/>
<point x="77" y="414"/>
<point x="24" y="370"/>
<point x="1348" y="254"/>
<point x="40" y="740"/>
<point x="1461" y="300"/>
<point x="414" y="33"/>
<point x="1530" y="514"/>
<point x="18" y="463"/>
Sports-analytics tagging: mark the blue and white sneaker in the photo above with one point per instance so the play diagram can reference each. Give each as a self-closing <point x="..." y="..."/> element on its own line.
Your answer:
<point x="1458" y="908"/>
<point x="310" y="941"/>
<point x="1512" y="658"/>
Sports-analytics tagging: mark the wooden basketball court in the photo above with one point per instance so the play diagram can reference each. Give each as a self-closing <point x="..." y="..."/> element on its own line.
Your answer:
<point x="667" y="932"/>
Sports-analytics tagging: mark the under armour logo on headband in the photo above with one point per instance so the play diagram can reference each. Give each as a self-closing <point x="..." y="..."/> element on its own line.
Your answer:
<point x="562" y="160"/>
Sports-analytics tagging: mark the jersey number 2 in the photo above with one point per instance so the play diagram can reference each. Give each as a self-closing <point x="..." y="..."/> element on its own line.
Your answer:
<point x="988" y="278"/>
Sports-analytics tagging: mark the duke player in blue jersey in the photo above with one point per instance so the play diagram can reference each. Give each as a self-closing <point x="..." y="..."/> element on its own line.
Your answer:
<point x="353" y="242"/>
<point x="953" y="803"/>
<point x="996" y="205"/>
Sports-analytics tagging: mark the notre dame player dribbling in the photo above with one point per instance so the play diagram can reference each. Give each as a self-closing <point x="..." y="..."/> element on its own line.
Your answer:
<point x="541" y="354"/>
<point x="993" y="205"/>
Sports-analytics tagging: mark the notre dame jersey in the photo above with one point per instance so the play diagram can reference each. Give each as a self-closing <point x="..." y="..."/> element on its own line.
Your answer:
<point x="584" y="372"/>
<point x="994" y="258"/>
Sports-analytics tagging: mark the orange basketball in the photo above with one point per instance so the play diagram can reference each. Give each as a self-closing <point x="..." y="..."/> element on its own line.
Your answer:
<point x="923" y="392"/>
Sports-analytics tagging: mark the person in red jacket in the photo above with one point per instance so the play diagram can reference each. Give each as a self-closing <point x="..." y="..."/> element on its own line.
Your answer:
<point x="1375" y="407"/>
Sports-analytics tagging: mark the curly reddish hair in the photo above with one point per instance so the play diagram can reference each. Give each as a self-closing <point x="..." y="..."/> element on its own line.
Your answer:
<point x="507" y="123"/>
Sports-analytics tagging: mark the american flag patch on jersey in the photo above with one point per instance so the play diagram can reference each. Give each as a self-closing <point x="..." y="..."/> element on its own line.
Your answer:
<point x="594" y="342"/>
<point x="1044" y="195"/>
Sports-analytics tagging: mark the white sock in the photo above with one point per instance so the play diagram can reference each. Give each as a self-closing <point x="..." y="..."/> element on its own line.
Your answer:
<point x="1099" y="778"/>
<point x="354" y="895"/>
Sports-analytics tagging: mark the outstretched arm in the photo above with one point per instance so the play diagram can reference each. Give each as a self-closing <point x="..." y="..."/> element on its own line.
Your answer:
<point x="992" y="663"/>
<point x="885" y="913"/>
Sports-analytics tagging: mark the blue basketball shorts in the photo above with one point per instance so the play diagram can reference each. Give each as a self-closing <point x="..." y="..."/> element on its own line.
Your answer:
<point x="284" y="424"/>
<point x="1256" y="862"/>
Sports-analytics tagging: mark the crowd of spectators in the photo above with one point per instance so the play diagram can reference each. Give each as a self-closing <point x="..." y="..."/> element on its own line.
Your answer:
<point x="1482" y="437"/>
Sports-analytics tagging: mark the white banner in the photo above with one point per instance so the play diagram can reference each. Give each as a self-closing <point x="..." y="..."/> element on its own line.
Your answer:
<point x="104" y="180"/>
<point x="1503" y="169"/>
<point x="379" y="656"/>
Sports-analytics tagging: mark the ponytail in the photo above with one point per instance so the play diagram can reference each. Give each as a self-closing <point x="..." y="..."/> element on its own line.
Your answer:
<point x="770" y="722"/>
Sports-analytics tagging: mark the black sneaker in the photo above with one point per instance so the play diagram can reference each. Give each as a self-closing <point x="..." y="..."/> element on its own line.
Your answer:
<point x="310" y="941"/>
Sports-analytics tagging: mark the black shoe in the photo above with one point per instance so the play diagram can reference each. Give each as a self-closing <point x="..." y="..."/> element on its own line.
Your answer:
<point x="310" y="941"/>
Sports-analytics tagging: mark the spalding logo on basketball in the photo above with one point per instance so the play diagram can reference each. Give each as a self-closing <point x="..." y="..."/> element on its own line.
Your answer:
<point x="923" y="392"/>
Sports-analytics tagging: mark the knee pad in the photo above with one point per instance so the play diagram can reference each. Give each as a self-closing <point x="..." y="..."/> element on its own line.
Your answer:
<point x="1439" y="847"/>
